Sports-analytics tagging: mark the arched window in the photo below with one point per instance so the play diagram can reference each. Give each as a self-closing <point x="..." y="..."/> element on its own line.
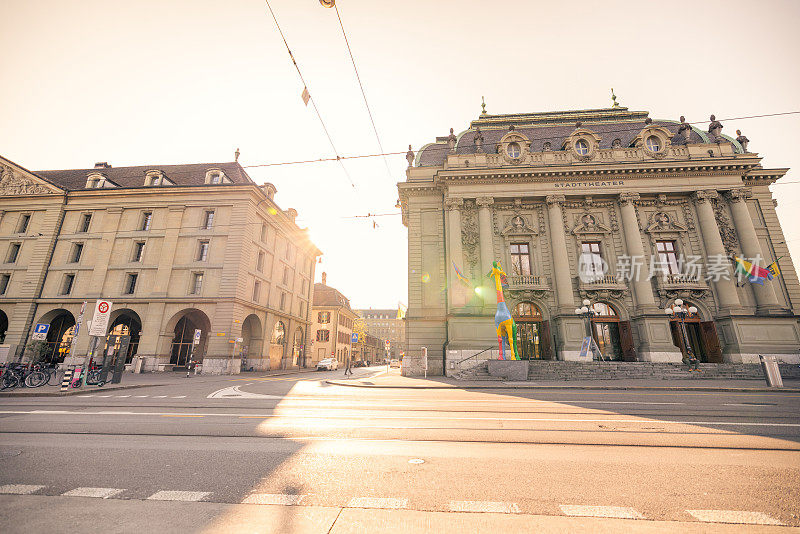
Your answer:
<point x="604" y="311"/>
<point x="527" y="310"/>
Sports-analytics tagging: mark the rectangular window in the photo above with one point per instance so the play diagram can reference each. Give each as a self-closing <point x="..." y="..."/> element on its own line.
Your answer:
<point x="202" y="251"/>
<point x="13" y="252"/>
<point x="23" y="223"/>
<point x="283" y="300"/>
<point x="69" y="281"/>
<point x="592" y="258"/>
<point x="215" y="178"/>
<point x="286" y="276"/>
<point x="260" y="262"/>
<point x="4" y="280"/>
<point x="667" y="256"/>
<point x="197" y="283"/>
<point x="77" y="251"/>
<point x="147" y="219"/>
<point x="288" y="251"/>
<point x="256" y="290"/>
<point x="208" y="219"/>
<point x="86" y="220"/>
<point x="138" y="251"/>
<point x="302" y="308"/>
<point x="520" y="259"/>
<point x="324" y="317"/>
<point x="323" y="335"/>
<point x="263" y="233"/>
<point x="130" y="283"/>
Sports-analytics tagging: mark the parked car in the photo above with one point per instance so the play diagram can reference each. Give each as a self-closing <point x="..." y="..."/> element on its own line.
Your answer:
<point x="360" y="363"/>
<point x="328" y="364"/>
<point x="394" y="362"/>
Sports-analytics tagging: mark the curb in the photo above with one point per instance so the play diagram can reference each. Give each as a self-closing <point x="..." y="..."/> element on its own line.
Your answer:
<point x="611" y="388"/>
<point x="79" y="391"/>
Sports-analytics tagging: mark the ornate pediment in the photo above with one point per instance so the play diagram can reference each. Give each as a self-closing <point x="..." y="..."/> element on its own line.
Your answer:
<point x="14" y="183"/>
<point x="589" y="224"/>
<point x="518" y="225"/>
<point x="663" y="222"/>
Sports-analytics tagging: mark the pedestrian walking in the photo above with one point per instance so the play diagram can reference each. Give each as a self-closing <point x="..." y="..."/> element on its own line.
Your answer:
<point x="347" y="365"/>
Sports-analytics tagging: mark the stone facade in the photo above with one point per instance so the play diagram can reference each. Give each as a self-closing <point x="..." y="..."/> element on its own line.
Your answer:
<point x="385" y="325"/>
<point x="332" y="326"/>
<point x="175" y="248"/>
<point x="543" y="192"/>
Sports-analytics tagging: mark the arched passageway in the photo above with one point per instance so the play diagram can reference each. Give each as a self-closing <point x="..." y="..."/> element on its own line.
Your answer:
<point x="533" y="332"/>
<point x="59" y="337"/>
<point x="298" y="351"/>
<point x="3" y="326"/>
<point x="183" y="348"/>
<point x="701" y="335"/>
<point x="127" y="323"/>
<point x="252" y="341"/>
<point x="277" y="343"/>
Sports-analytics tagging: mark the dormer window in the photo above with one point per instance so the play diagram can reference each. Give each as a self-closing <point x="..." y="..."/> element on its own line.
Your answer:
<point x="653" y="144"/>
<point x="95" y="181"/>
<point x="216" y="176"/>
<point x="155" y="179"/>
<point x="513" y="150"/>
<point x="582" y="147"/>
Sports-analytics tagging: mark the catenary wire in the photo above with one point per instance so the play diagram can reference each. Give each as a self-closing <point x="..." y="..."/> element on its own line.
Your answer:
<point x="311" y="98"/>
<point x="445" y="147"/>
<point x="361" y="86"/>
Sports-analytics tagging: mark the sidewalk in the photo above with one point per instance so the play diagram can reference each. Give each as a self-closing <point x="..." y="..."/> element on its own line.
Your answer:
<point x="143" y="380"/>
<point x="395" y="381"/>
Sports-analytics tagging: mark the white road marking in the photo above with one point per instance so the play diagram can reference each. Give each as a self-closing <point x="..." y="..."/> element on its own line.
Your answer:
<point x="159" y="396"/>
<point x="19" y="489"/>
<point x="377" y="502"/>
<point x="274" y="498"/>
<point x="84" y="396"/>
<point x="179" y="397"/>
<point x="620" y="512"/>
<point x="484" y="506"/>
<point x="290" y="416"/>
<point x="733" y="516"/>
<point x="191" y="496"/>
<point x="102" y="395"/>
<point x="235" y="392"/>
<point x="747" y="405"/>
<point x="100" y="493"/>
<point x="141" y="396"/>
<point x="122" y="395"/>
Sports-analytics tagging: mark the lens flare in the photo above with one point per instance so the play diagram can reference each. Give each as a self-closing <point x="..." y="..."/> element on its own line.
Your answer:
<point x="426" y="278"/>
<point x="272" y="211"/>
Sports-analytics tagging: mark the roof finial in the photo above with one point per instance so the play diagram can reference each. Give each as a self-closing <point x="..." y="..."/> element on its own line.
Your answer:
<point x="236" y="155"/>
<point x="614" y="103"/>
<point x="483" y="107"/>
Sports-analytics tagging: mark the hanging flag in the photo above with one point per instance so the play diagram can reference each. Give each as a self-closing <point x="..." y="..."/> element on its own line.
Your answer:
<point x="773" y="268"/>
<point x="306" y="96"/>
<point x="460" y="276"/>
<point x="753" y="272"/>
<point x="401" y="310"/>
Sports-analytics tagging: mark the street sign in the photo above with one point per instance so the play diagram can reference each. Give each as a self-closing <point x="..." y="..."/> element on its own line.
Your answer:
<point x="40" y="332"/>
<point x="354" y="338"/>
<point x="102" y="311"/>
<point x="197" y="334"/>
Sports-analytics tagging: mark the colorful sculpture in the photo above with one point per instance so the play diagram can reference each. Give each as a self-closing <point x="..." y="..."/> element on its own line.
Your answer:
<point x="503" y="321"/>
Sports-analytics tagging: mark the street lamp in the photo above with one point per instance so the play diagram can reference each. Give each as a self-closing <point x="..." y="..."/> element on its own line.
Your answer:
<point x="587" y="312"/>
<point x="679" y="312"/>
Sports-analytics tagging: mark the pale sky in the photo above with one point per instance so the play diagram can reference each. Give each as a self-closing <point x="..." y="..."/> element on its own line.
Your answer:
<point x="183" y="81"/>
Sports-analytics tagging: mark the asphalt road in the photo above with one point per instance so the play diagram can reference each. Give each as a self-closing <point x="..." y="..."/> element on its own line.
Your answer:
<point x="313" y="457"/>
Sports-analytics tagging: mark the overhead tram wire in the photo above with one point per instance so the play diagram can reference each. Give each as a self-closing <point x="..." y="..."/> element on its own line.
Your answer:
<point x="445" y="147"/>
<point x="363" y="93"/>
<point x="311" y="98"/>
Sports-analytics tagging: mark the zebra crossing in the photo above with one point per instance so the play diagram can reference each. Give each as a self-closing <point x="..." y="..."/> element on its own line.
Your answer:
<point x="744" y="517"/>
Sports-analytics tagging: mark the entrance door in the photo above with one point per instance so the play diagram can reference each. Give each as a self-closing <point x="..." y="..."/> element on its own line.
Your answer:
<point x="529" y="340"/>
<point x="606" y="334"/>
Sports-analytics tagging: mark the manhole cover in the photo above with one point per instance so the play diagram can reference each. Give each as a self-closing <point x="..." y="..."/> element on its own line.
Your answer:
<point x="416" y="461"/>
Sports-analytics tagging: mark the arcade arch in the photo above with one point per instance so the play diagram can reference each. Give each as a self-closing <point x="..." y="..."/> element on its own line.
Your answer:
<point x="182" y="347"/>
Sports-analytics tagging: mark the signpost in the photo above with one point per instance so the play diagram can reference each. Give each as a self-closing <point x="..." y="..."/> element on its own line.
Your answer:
<point x="97" y="329"/>
<point x="425" y="360"/>
<point x="354" y="338"/>
<point x="77" y="329"/>
<point x="40" y="332"/>
<point x="195" y="342"/>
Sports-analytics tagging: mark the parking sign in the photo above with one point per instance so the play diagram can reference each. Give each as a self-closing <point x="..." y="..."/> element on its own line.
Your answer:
<point x="40" y="332"/>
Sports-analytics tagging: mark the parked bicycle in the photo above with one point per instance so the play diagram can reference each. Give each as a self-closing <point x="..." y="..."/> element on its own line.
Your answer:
<point x="22" y="375"/>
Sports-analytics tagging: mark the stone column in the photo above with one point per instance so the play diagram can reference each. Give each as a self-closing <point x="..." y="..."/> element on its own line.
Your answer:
<point x="111" y="219"/>
<point x="487" y="250"/>
<point x="725" y="288"/>
<point x="455" y="248"/>
<point x="168" y="248"/>
<point x="558" y="248"/>
<point x="766" y="300"/>
<point x="642" y="288"/>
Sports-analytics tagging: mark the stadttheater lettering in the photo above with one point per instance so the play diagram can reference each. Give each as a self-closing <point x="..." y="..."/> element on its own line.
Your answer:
<point x="598" y="183"/>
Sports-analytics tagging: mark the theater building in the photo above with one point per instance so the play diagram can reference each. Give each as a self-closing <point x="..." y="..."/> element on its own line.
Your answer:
<point x="606" y="205"/>
<point x="176" y="248"/>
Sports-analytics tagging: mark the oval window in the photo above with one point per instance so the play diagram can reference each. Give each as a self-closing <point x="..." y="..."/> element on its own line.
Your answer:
<point x="653" y="144"/>
<point x="513" y="150"/>
<point x="582" y="147"/>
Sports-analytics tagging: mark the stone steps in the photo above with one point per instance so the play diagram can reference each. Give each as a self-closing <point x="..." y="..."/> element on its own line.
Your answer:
<point x="566" y="371"/>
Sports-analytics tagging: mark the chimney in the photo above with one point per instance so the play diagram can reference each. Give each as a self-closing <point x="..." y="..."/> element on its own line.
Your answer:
<point x="102" y="165"/>
<point x="324" y="279"/>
